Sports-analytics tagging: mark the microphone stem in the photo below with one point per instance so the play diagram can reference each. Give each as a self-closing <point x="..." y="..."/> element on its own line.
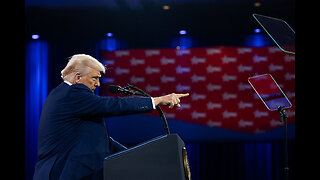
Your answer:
<point x="163" y="117"/>
<point x="166" y="127"/>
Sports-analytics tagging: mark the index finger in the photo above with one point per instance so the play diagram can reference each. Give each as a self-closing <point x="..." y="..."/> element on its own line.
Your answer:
<point x="182" y="95"/>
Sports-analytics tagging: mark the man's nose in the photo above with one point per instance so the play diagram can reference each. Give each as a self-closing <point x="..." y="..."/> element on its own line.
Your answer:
<point x="97" y="83"/>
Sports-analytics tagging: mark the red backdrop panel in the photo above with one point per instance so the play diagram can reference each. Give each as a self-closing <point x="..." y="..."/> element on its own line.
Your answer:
<point x="215" y="77"/>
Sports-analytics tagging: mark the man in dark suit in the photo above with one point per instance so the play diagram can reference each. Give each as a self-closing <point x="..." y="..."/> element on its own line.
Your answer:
<point x="72" y="138"/>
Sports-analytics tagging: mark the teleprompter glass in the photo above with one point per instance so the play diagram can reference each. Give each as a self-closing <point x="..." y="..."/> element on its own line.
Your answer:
<point x="279" y="31"/>
<point x="269" y="92"/>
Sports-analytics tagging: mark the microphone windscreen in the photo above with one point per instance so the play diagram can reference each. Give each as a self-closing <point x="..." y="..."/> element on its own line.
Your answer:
<point x="114" y="89"/>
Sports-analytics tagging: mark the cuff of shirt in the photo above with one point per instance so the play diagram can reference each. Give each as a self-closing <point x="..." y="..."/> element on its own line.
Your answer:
<point x="154" y="107"/>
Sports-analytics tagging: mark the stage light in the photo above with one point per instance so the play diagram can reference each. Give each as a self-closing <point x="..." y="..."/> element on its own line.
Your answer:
<point x="165" y="7"/>
<point x="35" y="36"/>
<point x="182" y="32"/>
<point x="109" y="34"/>
<point x="257" y="30"/>
<point x="257" y="40"/>
<point x="257" y="4"/>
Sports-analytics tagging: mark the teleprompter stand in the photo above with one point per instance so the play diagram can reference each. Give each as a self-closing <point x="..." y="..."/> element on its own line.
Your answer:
<point x="283" y="117"/>
<point x="274" y="99"/>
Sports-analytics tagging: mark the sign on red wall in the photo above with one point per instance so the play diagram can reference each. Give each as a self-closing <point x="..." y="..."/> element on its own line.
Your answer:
<point x="215" y="77"/>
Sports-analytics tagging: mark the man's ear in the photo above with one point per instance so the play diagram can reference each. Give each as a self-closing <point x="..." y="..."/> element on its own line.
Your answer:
<point x="77" y="77"/>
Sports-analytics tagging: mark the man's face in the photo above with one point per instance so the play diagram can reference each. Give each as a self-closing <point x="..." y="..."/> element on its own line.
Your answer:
<point x="91" y="80"/>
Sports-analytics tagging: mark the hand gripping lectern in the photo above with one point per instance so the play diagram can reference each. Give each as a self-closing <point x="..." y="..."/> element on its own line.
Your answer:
<point x="164" y="157"/>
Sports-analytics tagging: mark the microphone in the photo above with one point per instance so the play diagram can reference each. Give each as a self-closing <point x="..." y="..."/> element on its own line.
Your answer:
<point x="120" y="90"/>
<point x="115" y="89"/>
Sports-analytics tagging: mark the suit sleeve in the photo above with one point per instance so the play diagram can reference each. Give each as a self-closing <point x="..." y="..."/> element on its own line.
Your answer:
<point x="85" y="103"/>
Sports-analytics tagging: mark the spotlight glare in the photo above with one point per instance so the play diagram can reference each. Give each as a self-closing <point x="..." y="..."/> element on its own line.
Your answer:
<point x="257" y="30"/>
<point x="109" y="34"/>
<point x="182" y="32"/>
<point x="35" y="36"/>
<point x="165" y="7"/>
<point x="257" y="4"/>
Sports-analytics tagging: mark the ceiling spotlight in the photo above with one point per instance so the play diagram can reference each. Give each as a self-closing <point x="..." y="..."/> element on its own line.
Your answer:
<point x="109" y="34"/>
<point x="257" y="4"/>
<point x="35" y="36"/>
<point x="182" y="32"/>
<point x="166" y="7"/>
<point x="257" y="30"/>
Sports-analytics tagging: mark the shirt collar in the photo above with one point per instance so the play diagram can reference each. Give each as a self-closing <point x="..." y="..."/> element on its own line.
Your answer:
<point x="69" y="83"/>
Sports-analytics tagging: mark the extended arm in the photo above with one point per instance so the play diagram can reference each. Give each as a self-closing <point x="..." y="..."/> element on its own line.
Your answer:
<point x="170" y="100"/>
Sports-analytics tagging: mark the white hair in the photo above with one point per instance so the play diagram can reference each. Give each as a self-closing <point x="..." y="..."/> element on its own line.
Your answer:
<point x="80" y="63"/>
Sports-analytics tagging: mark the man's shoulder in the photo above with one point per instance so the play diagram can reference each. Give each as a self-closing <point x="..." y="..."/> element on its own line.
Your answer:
<point x="60" y="88"/>
<point x="80" y="87"/>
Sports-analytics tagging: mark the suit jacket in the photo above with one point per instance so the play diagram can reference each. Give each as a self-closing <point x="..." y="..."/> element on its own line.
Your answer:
<point x="72" y="137"/>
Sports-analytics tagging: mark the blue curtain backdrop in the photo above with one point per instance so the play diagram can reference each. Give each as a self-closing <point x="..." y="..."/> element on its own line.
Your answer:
<point x="36" y="77"/>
